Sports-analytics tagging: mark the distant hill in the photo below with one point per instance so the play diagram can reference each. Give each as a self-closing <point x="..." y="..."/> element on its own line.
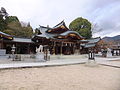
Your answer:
<point x="115" y="39"/>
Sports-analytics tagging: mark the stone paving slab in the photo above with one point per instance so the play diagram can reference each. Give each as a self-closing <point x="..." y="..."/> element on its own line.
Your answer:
<point x="26" y="64"/>
<point x="111" y="63"/>
<point x="40" y="64"/>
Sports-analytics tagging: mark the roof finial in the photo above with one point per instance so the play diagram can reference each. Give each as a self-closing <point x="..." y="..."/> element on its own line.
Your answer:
<point x="47" y="26"/>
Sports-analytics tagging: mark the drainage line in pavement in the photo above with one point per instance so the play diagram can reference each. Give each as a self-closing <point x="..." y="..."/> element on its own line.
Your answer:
<point x="110" y="65"/>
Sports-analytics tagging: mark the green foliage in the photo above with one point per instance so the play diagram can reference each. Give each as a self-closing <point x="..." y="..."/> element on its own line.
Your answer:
<point x="10" y="19"/>
<point x="28" y="31"/>
<point x="10" y="32"/>
<point x="3" y="15"/>
<point x="18" y="30"/>
<point x="12" y="26"/>
<point x="3" y="24"/>
<point x="82" y="26"/>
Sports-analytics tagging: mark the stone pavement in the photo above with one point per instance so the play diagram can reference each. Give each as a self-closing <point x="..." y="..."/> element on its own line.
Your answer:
<point x="8" y="63"/>
<point x="111" y="63"/>
<point x="19" y="64"/>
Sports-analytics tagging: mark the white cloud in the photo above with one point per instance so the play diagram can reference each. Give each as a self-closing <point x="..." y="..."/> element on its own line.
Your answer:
<point x="50" y="12"/>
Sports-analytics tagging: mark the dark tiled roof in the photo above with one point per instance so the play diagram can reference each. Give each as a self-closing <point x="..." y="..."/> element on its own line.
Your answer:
<point x="90" y="45"/>
<point x="94" y="40"/>
<point x="46" y="34"/>
<point x="91" y="42"/>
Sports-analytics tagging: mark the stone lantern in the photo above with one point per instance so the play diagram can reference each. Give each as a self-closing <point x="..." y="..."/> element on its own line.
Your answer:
<point x="13" y="52"/>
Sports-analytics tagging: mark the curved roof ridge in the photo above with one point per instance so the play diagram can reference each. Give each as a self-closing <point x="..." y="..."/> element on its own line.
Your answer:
<point x="44" y="27"/>
<point x="71" y="31"/>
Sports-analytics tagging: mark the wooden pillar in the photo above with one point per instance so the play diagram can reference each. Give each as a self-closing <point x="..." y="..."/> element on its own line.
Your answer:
<point x="73" y="48"/>
<point x="119" y="52"/>
<point x="61" y="48"/>
<point x="79" y="48"/>
<point x="65" y="48"/>
<point x="54" y="48"/>
<point x="15" y="48"/>
<point x="2" y="46"/>
<point x="28" y="49"/>
<point x="68" y="50"/>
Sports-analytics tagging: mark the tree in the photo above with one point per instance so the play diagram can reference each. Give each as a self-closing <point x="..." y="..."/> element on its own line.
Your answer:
<point x="10" y="32"/>
<point x="10" y="19"/>
<point x="12" y="26"/>
<point x="2" y="24"/>
<point x="104" y="45"/>
<point x="28" y="31"/>
<point x="15" y="29"/>
<point x="95" y="28"/>
<point x="3" y="15"/>
<point x="82" y="26"/>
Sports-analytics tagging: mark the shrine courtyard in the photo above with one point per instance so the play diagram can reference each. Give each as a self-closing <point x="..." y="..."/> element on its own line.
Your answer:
<point x="70" y="77"/>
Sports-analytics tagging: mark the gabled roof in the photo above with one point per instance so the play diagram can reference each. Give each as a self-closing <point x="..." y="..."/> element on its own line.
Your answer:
<point x="44" y="34"/>
<point x="60" y="24"/>
<point x="58" y="29"/>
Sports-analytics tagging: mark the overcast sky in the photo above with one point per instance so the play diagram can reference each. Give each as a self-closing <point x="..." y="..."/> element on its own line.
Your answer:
<point x="106" y="13"/>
